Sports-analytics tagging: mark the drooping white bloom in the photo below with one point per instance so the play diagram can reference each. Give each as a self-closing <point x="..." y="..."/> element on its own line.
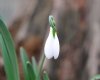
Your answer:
<point x="52" y="47"/>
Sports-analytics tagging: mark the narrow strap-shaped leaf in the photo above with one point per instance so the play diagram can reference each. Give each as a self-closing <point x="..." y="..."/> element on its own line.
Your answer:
<point x="10" y="49"/>
<point x="7" y="61"/>
<point x="30" y="71"/>
<point x="45" y="76"/>
<point x="24" y="59"/>
<point x="42" y="59"/>
<point x="35" y="68"/>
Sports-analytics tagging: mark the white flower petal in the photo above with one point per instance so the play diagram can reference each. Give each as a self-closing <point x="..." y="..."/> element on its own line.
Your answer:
<point x="48" y="46"/>
<point x="56" y="47"/>
<point x="52" y="46"/>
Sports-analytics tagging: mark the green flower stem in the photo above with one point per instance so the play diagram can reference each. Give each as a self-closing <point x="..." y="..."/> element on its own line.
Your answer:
<point x="42" y="60"/>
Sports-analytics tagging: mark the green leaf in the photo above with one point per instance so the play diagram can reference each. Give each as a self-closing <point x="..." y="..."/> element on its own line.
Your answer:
<point x="7" y="61"/>
<point x="24" y="59"/>
<point x="42" y="60"/>
<point x="30" y="71"/>
<point x="97" y="77"/>
<point x="45" y="76"/>
<point x="9" y="54"/>
<point x="35" y="68"/>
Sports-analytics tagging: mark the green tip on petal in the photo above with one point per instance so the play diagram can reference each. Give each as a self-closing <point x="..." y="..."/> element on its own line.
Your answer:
<point x="52" y="24"/>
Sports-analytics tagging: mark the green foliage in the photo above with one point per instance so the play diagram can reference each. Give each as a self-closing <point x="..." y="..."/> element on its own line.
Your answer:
<point x="35" y="68"/>
<point x="24" y="59"/>
<point x="8" y="53"/>
<point x="31" y="71"/>
<point x="45" y="76"/>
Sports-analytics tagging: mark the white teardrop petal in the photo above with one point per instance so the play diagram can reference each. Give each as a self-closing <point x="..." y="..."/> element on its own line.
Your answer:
<point x="56" y="47"/>
<point x="48" y="46"/>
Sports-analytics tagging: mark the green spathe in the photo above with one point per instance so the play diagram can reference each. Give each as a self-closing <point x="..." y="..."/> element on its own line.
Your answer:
<point x="52" y="24"/>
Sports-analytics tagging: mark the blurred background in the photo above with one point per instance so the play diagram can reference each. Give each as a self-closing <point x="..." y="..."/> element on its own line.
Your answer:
<point x="78" y="27"/>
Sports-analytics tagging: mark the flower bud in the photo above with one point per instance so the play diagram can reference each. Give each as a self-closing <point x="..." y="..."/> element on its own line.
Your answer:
<point x="52" y="46"/>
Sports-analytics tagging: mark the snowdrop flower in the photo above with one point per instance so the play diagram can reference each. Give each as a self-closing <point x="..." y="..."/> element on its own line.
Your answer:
<point x="52" y="46"/>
